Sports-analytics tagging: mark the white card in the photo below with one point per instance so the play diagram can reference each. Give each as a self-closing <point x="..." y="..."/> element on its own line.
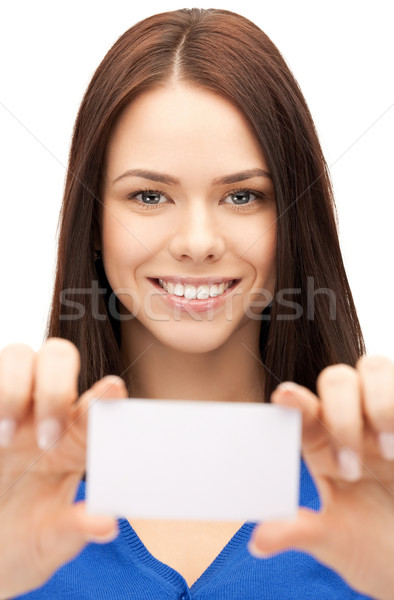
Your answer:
<point x="193" y="460"/>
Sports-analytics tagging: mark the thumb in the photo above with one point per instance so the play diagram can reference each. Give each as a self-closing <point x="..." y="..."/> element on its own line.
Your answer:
<point x="305" y="533"/>
<point x="110" y="387"/>
<point x="65" y="534"/>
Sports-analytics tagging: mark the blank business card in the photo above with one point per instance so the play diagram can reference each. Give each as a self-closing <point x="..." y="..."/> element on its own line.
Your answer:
<point x="193" y="460"/>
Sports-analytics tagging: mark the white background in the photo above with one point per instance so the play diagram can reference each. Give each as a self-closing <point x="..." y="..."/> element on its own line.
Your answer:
<point x="341" y="53"/>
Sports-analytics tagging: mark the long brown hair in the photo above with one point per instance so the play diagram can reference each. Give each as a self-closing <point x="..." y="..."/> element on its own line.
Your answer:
<point x="229" y="55"/>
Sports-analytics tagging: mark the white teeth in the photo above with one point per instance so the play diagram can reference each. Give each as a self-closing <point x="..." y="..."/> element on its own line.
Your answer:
<point x="190" y="292"/>
<point x="214" y="291"/>
<point x="202" y="292"/>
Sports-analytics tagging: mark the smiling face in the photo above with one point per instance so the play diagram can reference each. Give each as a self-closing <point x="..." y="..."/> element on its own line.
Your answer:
<point x="179" y="207"/>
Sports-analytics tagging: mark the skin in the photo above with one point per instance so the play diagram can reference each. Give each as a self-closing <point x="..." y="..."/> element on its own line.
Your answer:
<point x="197" y="230"/>
<point x="352" y="415"/>
<point x="43" y="429"/>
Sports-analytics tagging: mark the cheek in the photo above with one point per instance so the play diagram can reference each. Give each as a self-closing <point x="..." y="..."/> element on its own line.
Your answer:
<point x="261" y="255"/>
<point x="126" y="243"/>
<point x="257" y="246"/>
<point x="120" y="250"/>
<point x="264" y="265"/>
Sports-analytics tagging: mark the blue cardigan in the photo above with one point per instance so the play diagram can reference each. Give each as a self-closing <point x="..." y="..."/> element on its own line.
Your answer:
<point x="124" y="569"/>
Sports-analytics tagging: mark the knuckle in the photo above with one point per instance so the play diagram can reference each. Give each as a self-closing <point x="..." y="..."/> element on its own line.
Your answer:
<point x="345" y="428"/>
<point x="52" y="393"/>
<point x="336" y="375"/>
<point x="60" y="348"/>
<point x="16" y="352"/>
<point x="58" y="354"/>
<point x="381" y="417"/>
<point x="16" y="374"/>
<point x="9" y="395"/>
<point x="58" y="366"/>
<point x="380" y="410"/>
<point x="341" y="414"/>
<point x="375" y="362"/>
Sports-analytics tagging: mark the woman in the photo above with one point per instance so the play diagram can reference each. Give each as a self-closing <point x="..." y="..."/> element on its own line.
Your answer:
<point x="198" y="229"/>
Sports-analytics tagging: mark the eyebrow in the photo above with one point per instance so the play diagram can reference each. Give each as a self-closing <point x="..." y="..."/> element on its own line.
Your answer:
<point x="168" y="179"/>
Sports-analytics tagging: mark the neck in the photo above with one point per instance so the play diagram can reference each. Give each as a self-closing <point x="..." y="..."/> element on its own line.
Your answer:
<point x="231" y="373"/>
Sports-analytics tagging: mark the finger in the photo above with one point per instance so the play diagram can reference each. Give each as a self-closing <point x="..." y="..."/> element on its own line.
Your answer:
<point x="66" y="533"/>
<point x="55" y="388"/>
<point x="304" y="533"/>
<point x="329" y="537"/>
<point x="299" y="397"/>
<point x="377" y="380"/>
<point x="109" y="387"/>
<point x="316" y="449"/>
<point x="16" y="376"/>
<point x="317" y="533"/>
<point x="338" y="387"/>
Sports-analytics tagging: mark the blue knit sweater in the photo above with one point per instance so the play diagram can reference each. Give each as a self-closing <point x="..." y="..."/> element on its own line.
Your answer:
<point x="124" y="569"/>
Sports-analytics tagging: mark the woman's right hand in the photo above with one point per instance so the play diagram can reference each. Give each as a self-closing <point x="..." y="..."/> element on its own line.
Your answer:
<point x="42" y="460"/>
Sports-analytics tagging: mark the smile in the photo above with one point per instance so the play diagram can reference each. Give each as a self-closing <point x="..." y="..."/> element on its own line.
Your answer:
<point x="199" y="297"/>
<point x="200" y="292"/>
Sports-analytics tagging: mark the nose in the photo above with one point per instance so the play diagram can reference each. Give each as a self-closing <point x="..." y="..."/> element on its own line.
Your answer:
<point x="198" y="236"/>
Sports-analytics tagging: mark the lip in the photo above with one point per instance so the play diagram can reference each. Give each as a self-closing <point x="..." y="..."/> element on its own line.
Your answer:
<point x="183" y="304"/>
<point x="195" y="280"/>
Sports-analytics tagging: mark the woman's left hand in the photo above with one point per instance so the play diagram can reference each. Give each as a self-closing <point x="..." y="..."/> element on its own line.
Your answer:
<point x="348" y="446"/>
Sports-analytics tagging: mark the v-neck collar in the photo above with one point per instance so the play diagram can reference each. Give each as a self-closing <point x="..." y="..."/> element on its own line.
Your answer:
<point x="172" y="576"/>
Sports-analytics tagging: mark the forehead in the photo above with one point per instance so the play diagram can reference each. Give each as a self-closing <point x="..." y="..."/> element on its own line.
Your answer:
<point x="182" y="124"/>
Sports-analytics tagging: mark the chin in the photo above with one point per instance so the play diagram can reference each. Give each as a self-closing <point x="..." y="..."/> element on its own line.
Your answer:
<point x="192" y="344"/>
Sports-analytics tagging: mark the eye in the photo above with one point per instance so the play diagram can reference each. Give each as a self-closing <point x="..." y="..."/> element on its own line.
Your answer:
<point x="148" y="198"/>
<point x="243" y="197"/>
<point x="240" y="199"/>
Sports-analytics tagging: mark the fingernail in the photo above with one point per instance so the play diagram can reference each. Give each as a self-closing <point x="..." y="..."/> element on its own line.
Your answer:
<point x="255" y="551"/>
<point x="288" y="385"/>
<point x="48" y="432"/>
<point x="7" y="431"/>
<point x="349" y="465"/>
<point x="386" y="444"/>
<point x="109" y="383"/>
<point x="104" y="539"/>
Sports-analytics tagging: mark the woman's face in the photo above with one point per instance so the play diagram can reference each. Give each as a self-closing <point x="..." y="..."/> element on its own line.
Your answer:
<point x="200" y="224"/>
